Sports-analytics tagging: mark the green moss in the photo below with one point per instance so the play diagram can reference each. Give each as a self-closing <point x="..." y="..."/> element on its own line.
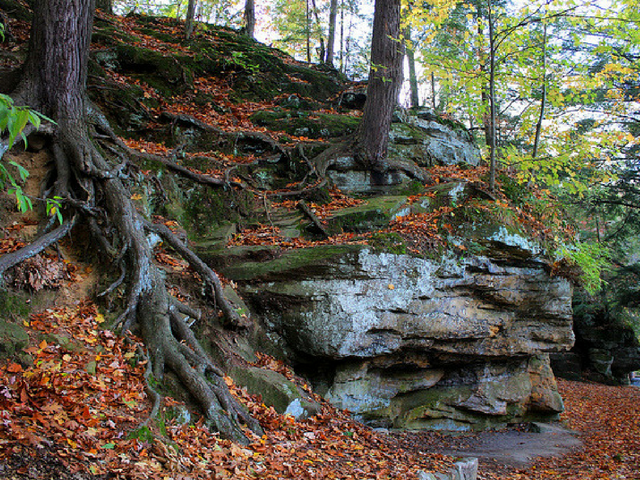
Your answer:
<point x="388" y="242"/>
<point x="13" y="339"/>
<point x="291" y="263"/>
<point x="307" y="124"/>
<point x="170" y="75"/>
<point x="14" y="305"/>
<point x="374" y="214"/>
<point x="143" y="434"/>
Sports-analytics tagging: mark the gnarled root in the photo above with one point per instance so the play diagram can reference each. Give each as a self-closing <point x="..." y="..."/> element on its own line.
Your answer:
<point x="92" y="187"/>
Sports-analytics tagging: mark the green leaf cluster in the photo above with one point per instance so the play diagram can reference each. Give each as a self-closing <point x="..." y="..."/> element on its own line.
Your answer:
<point x="590" y="258"/>
<point x="13" y="120"/>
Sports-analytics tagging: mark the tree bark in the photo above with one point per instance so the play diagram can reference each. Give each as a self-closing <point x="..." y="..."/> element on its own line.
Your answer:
<point x="321" y="53"/>
<point x="331" y="39"/>
<point x="385" y="78"/>
<point x="250" y="17"/>
<point x="54" y="83"/>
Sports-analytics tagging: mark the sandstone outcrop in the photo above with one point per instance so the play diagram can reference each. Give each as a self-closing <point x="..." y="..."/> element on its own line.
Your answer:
<point x="407" y="342"/>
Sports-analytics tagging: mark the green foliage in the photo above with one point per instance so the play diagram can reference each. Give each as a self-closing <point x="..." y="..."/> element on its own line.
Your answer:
<point x="144" y="434"/>
<point x="590" y="258"/>
<point x="241" y="60"/>
<point x="13" y="121"/>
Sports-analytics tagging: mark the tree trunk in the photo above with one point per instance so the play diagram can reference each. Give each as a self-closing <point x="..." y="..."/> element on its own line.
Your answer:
<point x="321" y="53"/>
<point x="308" y="30"/>
<point x="250" y="17"/>
<point x="434" y="104"/>
<point x="543" y="99"/>
<point x="54" y="83"/>
<point x="385" y="78"/>
<point x="342" y="46"/>
<point x="189" y="22"/>
<point x="331" y="40"/>
<point x="413" y="78"/>
<point x="492" y="101"/>
<point x="105" y="5"/>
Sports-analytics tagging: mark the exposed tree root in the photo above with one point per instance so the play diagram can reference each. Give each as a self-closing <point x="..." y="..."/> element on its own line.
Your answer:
<point x="92" y="187"/>
<point x="11" y="259"/>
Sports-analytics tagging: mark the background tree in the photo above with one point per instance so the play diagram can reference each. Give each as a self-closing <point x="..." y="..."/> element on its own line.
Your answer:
<point x="191" y="13"/>
<point x="250" y="17"/>
<point x="331" y="37"/>
<point x="88" y="184"/>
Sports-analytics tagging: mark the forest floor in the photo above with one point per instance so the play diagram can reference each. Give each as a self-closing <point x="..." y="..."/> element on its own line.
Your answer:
<point x="77" y="411"/>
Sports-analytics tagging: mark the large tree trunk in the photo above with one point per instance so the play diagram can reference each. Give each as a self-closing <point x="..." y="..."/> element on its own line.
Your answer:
<point x="331" y="39"/>
<point x="385" y="78"/>
<point x="250" y="17"/>
<point x="54" y="83"/>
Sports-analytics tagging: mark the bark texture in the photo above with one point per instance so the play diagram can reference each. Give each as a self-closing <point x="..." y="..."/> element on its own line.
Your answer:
<point x="385" y="79"/>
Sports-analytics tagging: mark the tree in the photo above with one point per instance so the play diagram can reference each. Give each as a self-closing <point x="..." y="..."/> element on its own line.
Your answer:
<point x="331" y="39"/>
<point x="191" y="13"/>
<point x="93" y="192"/>
<point x="411" y="60"/>
<point x="385" y="78"/>
<point x="250" y="17"/>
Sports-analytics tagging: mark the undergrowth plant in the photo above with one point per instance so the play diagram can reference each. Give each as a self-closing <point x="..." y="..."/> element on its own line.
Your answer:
<point x="590" y="258"/>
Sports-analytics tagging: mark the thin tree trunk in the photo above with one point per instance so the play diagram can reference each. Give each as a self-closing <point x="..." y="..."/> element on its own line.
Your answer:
<point x="385" y="79"/>
<point x="321" y="53"/>
<point x="413" y="79"/>
<point x="485" y="97"/>
<point x="331" y="40"/>
<point x="342" y="46"/>
<point x="543" y="99"/>
<point x="308" y="31"/>
<point x="250" y="17"/>
<point x="189" y="22"/>
<point x="492" y="101"/>
<point x="433" y="92"/>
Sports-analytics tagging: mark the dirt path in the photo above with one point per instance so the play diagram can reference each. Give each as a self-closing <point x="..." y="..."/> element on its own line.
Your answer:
<point x="512" y="447"/>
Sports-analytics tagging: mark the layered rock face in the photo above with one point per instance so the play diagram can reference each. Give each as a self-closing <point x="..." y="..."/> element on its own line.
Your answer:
<point x="406" y="342"/>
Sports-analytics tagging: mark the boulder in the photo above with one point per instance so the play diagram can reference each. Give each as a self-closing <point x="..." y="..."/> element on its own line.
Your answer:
<point x="430" y="140"/>
<point x="408" y="342"/>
